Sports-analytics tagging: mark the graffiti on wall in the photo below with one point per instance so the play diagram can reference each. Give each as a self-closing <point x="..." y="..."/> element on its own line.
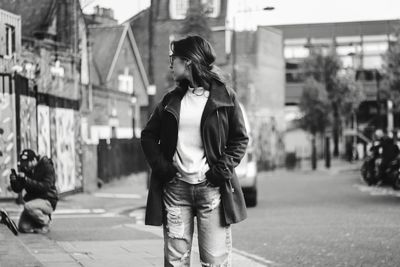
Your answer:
<point x="63" y="154"/>
<point x="28" y="123"/>
<point x="8" y="153"/>
<point x="43" y="113"/>
<point x="78" y="150"/>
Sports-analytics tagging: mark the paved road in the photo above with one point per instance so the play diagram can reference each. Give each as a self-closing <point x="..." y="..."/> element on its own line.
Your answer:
<point x="322" y="219"/>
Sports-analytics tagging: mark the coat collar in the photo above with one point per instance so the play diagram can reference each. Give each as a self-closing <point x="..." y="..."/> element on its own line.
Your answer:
<point x="219" y="97"/>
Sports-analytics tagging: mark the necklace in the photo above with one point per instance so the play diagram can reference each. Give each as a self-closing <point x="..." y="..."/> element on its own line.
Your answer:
<point x="201" y="91"/>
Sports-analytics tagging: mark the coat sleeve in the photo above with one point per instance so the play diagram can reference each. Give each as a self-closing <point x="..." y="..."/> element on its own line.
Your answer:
<point x="16" y="185"/>
<point x="46" y="181"/>
<point x="150" y="141"/>
<point x="235" y="147"/>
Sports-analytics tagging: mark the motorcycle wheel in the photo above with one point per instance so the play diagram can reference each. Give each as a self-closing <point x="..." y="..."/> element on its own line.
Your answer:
<point x="396" y="183"/>
<point x="368" y="177"/>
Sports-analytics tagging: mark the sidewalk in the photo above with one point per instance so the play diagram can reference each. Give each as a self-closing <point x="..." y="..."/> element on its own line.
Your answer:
<point x="125" y="241"/>
<point x="337" y="166"/>
<point x="117" y="196"/>
<point x="127" y="193"/>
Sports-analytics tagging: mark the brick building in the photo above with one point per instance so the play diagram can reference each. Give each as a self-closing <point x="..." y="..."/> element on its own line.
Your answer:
<point x="119" y="83"/>
<point x="259" y="62"/>
<point x="51" y="83"/>
<point x="167" y="17"/>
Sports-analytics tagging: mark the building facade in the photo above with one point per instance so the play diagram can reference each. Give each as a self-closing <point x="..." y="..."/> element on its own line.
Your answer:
<point x="119" y="84"/>
<point x="50" y="79"/>
<point x="360" y="46"/>
<point x="10" y="52"/>
<point x="154" y="35"/>
<point x="256" y="56"/>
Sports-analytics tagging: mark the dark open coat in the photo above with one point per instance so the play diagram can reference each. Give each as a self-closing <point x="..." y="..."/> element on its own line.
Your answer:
<point x="224" y="139"/>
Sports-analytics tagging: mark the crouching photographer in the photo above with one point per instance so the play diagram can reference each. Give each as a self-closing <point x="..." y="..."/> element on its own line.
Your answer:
<point x="37" y="177"/>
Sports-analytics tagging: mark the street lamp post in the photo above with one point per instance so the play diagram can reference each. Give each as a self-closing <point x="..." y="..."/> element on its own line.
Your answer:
<point x="134" y="112"/>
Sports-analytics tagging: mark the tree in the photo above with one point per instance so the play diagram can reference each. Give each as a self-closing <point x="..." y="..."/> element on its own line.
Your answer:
<point x="391" y="69"/>
<point x="324" y="69"/>
<point x="315" y="108"/>
<point x="351" y="93"/>
<point x="196" y="22"/>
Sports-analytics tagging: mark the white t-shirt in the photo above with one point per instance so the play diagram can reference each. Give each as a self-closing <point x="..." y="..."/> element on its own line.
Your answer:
<point x="190" y="158"/>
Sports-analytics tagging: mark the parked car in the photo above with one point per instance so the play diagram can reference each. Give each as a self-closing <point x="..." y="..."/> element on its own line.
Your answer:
<point x="247" y="169"/>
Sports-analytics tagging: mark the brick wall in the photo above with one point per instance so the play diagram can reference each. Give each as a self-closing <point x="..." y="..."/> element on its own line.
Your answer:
<point x="164" y="27"/>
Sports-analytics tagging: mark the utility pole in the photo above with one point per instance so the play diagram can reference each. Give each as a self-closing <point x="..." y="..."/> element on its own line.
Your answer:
<point x="151" y="90"/>
<point x="234" y="41"/>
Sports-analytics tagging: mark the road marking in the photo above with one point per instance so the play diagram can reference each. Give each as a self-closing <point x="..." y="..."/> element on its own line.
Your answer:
<point x="79" y="211"/>
<point x="121" y="196"/>
<point x="377" y="191"/>
<point x="253" y="257"/>
<point x="78" y="216"/>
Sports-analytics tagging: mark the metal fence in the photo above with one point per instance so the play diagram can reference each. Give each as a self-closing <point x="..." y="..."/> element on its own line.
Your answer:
<point x="119" y="157"/>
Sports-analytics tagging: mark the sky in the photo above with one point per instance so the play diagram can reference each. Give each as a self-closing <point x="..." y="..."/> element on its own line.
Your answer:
<point x="285" y="12"/>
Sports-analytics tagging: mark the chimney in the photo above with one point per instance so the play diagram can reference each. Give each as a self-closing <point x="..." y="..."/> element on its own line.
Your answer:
<point x="101" y="16"/>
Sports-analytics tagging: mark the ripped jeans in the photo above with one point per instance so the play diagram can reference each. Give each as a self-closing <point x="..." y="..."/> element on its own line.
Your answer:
<point x="183" y="202"/>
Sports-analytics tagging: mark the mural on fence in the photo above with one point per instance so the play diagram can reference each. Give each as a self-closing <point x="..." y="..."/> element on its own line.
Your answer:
<point x="8" y="153"/>
<point x="28" y="123"/>
<point x="44" y="130"/>
<point x="63" y="150"/>
<point x="78" y="150"/>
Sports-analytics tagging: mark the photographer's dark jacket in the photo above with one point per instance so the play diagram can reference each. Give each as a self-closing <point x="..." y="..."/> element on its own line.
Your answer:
<point x="41" y="184"/>
<point x="224" y="139"/>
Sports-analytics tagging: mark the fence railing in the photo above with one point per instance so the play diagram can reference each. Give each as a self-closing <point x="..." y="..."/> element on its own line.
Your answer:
<point x="119" y="157"/>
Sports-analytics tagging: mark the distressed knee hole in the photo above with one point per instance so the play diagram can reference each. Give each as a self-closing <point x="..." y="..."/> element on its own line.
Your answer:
<point x="175" y="226"/>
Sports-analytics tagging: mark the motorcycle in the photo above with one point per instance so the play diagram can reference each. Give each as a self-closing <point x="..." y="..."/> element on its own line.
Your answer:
<point x="395" y="174"/>
<point x="370" y="170"/>
<point x="374" y="173"/>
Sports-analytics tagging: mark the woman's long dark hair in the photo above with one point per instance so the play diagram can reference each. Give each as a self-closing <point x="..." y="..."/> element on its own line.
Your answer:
<point x="202" y="55"/>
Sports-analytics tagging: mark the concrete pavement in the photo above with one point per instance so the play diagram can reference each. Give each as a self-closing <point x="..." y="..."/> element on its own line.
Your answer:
<point x="102" y="228"/>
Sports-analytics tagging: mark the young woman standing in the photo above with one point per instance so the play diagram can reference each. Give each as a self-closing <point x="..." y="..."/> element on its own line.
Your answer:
<point x="193" y="140"/>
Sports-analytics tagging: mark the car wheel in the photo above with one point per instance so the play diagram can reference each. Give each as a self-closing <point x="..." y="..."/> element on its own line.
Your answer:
<point x="250" y="197"/>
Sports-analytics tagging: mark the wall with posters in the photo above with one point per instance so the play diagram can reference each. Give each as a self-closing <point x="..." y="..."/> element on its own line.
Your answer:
<point x="8" y="149"/>
<point x="28" y="123"/>
<point x="43" y="116"/>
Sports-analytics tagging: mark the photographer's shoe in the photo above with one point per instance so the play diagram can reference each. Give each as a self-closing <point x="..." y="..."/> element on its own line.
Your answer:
<point x="5" y="219"/>
<point x="42" y="230"/>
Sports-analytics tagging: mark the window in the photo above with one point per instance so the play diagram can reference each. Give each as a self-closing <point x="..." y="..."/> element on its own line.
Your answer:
<point x="372" y="62"/>
<point x="375" y="48"/>
<point x="296" y="41"/>
<point x="125" y="82"/>
<point x="296" y="52"/>
<point x="10" y="40"/>
<point x="212" y="7"/>
<point x="178" y="8"/>
<point x="348" y="39"/>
